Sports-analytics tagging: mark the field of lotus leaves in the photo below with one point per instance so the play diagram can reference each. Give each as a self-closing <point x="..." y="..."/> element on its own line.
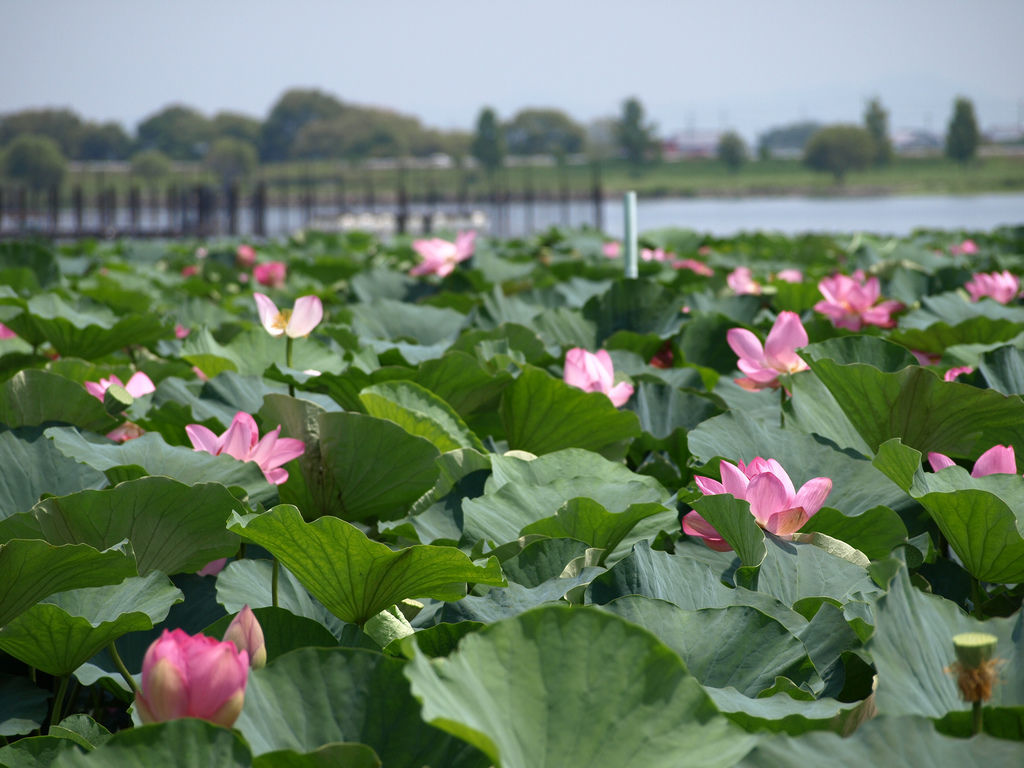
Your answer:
<point x="477" y="502"/>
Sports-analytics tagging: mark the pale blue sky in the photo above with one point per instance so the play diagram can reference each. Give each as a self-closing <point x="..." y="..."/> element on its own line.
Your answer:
<point x="746" y="65"/>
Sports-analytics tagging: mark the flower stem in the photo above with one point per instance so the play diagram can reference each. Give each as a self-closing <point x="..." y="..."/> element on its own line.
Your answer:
<point x="273" y="582"/>
<point x="782" y="407"/>
<point x="288" y="361"/>
<point x="977" y="596"/>
<point x="58" y="702"/>
<point x="119" y="663"/>
<point x="976" y="717"/>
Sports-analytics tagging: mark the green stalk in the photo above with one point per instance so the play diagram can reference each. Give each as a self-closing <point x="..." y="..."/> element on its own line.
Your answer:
<point x="976" y="719"/>
<point x="273" y="583"/>
<point x="782" y="407"/>
<point x="288" y="362"/>
<point x="58" y="702"/>
<point x="122" y="668"/>
<point x="977" y="596"/>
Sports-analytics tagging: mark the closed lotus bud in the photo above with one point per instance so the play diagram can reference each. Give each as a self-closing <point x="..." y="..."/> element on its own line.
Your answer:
<point x="247" y="635"/>
<point x="187" y="675"/>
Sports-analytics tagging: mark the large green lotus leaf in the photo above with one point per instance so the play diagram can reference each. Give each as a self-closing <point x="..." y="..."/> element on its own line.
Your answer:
<point x="781" y="713"/>
<point x="420" y="412"/>
<point x="737" y="647"/>
<point x="283" y="631"/>
<point x="515" y="599"/>
<point x="82" y="730"/>
<point x="561" y="686"/>
<point x="27" y="264"/>
<point x="252" y="352"/>
<point x="913" y="645"/>
<point x="905" y="741"/>
<point x="586" y="520"/>
<point x="684" y="581"/>
<point x="172" y="527"/>
<point x="703" y="341"/>
<point x="89" y="336"/>
<point x="395" y="320"/>
<point x="856" y="485"/>
<point x="184" y="743"/>
<point x="937" y="337"/>
<point x="542" y="559"/>
<point x="982" y="518"/>
<point x="812" y="408"/>
<point x="338" y="755"/>
<point x="566" y="328"/>
<point x="641" y="306"/>
<point x="155" y="456"/>
<point x="63" y="631"/>
<point x="355" y="466"/>
<point x="31" y="569"/>
<point x="460" y="380"/>
<point x="499" y="309"/>
<point x="521" y="493"/>
<point x="1003" y="369"/>
<point x="876" y="532"/>
<point x="357" y="578"/>
<point x="542" y="414"/>
<point x="315" y="696"/>
<point x="508" y="338"/>
<point x="662" y="409"/>
<point x="35" y="752"/>
<point x="32" y="397"/>
<point x="912" y="403"/>
<point x="955" y="308"/>
<point x="35" y="466"/>
<point x="732" y="519"/>
<point x="23" y="706"/>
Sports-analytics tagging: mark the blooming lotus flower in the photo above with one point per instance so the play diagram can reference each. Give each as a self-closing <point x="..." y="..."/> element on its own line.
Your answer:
<point x="612" y="249"/>
<point x="967" y="247"/>
<point x="763" y="365"/>
<point x="694" y="266"/>
<point x="213" y="567"/>
<point x="593" y="373"/>
<point x="654" y="254"/>
<point x="952" y="373"/>
<point x="741" y="280"/>
<point x="138" y="385"/>
<point x="441" y="256"/>
<point x="242" y="441"/>
<point x="247" y="635"/>
<point x="925" y="358"/>
<point x="296" y="322"/>
<point x="180" y="331"/>
<point x="271" y="274"/>
<point x="775" y="504"/>
<point x="192" y="676"/>
<point x="850" y="302"/>
<point x="997" y="460"/>
<point x="1001" y="286"/>
<point x="790" y="276"/>
<point x="245" y="256"/>
<point x="6" y="333"/>
<point x="189" y="270"/>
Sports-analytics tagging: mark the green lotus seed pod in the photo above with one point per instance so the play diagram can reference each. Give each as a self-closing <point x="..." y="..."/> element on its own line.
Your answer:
<point x="974" y="648"/>
<point x="116" y="399"/>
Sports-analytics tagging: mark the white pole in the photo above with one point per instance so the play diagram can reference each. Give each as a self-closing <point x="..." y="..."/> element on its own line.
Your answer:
<point x="629" y="240"/>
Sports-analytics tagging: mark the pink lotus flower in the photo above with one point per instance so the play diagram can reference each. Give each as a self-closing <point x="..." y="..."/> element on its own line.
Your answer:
<point x="201" y="253"/>
<point x="245" y="256"/>
<point x="247" y="635"/>
<point x="192" y="676"/>
<point x="612" y="249"/>
<point x="593" y="373"/>
<point x="199" y="373"/>
<point x="764" y="364"/>
<point x="850" y="302"/>
<point x="6" y="333"/>
<point x="213" y="567"/>
<point x="741" y="280"/>
<point x="790" y="276"/>
<point x="272" y="274"/>
<point x="997" y="460"/>
<point x="775" y="504"/>
<point x="925" y="358"/>
<point x="654" y="254"/>
<point x="242" y="441"/>
<point x="129" y="430"/>
<point x="189" y="270"/>
<point x="952" y="373"/>
<point x="1001" y="286"/>
<point x="180" y="331"/>
<point x="296" y="322"/>
<point x="441" y="256"/>
<point x="138" y="385"/>
<point x="694" y="266"/>
<point x="967" y="247"/>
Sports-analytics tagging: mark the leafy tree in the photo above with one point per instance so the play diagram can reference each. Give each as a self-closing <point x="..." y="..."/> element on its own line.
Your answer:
<point x="356" y="133"/>
<point x="61" y="125"/>
<point x="962" y="134"/>
<point x="792" y="137"/>
<point x="601" y="143"/>
<point x="635" y="138"/>
<point x="876" y="120"/>
<point x="292" y="112"/>
<point x="488" y="141"/>
<point x="732" y="150"/>
<point x="838" y="149"/>
<point x="237" y="126"/>
<point x="103" y="141"/>
<point x="543" y="132"/>
<point x="35" y="161"/>
<point x="151" y="165"/>
<point x="178" y="131"/>
<point x="231" y="159"/>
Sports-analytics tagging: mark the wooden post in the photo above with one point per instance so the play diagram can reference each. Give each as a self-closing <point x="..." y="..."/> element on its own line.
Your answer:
<point x="54" y="206"/>
<point x="402" y="213"/>
<point x="232" y="204"/>
<point x="563" y="195"/>
<point x="597" y="196"/>
<point x="259" y="210"/>
<point x="22" y="210"/>
<point x="78" y="205"/>
<point x="135" y="209"/>
<point x="528" y="202"/>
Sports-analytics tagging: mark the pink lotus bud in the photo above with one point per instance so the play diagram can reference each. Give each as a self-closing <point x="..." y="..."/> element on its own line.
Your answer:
<point x="245" y="255"/>
<point x="180" y="331"/>
<point x="272" y="274"/>
<point x="189" y="270"/>
<point x="192" y="676"/>
<point x="6" y="333"/>
<point x="247" y="635"/>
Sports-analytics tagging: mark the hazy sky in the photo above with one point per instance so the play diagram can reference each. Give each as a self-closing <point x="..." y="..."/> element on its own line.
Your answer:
<point x="708" y="65"/>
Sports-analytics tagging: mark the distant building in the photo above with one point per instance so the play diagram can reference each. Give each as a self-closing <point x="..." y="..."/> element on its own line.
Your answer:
<point x="1004" y="134"/>
<point x="915" y="141"/>
<point x="691" y="144"/>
